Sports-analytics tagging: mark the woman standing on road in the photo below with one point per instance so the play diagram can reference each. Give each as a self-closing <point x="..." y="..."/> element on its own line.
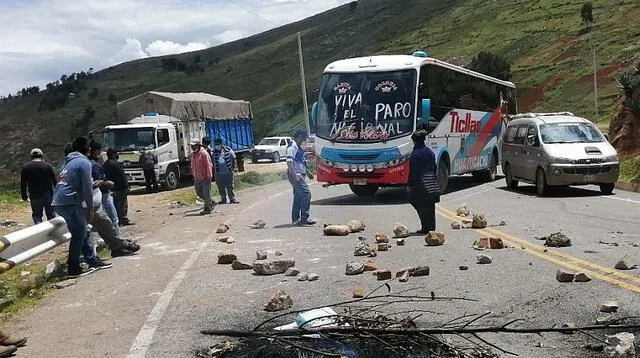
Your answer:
<point x="424" y="191"/>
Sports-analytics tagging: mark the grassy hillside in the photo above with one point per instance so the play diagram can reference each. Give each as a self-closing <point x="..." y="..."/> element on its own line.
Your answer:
<point x="551" y="52"/>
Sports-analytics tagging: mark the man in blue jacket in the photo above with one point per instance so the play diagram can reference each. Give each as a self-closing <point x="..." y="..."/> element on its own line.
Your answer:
<point x="73" y="200"/>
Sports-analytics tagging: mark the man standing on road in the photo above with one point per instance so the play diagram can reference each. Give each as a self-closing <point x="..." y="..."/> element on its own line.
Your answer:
<point x="148" y="163"/>
<point x="296" y="173"/>
<point x="202" y="171"/>
<point x="73" y="200"/>
<point x="224" y="160"/>
<point x="115" y="173"/>
<point x="37" y="179"/>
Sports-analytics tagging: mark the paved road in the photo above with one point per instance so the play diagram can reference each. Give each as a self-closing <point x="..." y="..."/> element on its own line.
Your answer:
<point x="154" y="304"/>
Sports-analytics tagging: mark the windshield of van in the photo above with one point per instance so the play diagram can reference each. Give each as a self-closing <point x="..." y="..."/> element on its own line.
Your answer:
<point x="570" y="133"/>
<point x="269" y="141"/>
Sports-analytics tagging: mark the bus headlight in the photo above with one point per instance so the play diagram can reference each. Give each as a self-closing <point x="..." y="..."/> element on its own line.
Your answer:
<point x="362" y="167"/>
<point x="354" y="167"/>
<point x="369" y="167"/>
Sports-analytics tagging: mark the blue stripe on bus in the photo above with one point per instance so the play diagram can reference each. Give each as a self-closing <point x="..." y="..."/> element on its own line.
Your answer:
<point x="360" y="156"/>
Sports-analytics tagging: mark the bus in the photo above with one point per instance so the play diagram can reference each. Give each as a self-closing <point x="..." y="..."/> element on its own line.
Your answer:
<point x="368" y="107"/>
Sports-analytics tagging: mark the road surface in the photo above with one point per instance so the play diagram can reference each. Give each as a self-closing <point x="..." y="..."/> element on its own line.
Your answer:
<point x="154" y="304"/>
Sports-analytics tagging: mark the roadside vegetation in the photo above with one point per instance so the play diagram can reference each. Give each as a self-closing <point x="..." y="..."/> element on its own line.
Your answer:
<point x="630" y="170"/>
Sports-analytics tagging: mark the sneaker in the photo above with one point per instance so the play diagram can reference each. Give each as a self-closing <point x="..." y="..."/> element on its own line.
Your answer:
<point x="307" y="222"/>
<point x="121" y="252"/>
<point x="83" y="272"/>
<point x="99" y="264"/>
<point x="223" y="202"/>
<point x="205" y="212"/>
<point x="235" y="201"/>
<point x="132" y="246"/>
<point x="7" y="351"/>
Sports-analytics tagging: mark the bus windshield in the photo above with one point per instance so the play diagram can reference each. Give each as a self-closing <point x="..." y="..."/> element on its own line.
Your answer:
<point x="366" y="107"/>
<point x="123" y="139"/>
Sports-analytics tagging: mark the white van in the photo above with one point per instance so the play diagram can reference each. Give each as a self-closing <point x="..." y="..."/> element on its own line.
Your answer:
<point x="557" y="149"/>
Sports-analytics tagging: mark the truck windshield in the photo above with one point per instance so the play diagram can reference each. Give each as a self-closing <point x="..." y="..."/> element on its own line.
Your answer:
<point x="366" y="107"/>
<point x="570" y="133"/>
<point x="123" y="139"/>
<point x="269" y="141"/>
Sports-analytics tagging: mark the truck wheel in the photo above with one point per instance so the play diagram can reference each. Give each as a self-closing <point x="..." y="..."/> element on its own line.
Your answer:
<point x="171" y="178"/>
<point x="443" y="176"/>
<point x="364" y="190"/>
<point x="276" y="157"/>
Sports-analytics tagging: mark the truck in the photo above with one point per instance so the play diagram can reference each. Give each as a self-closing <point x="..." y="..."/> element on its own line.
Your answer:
<point x="164" y="123"/>
<point x="368" y="107"/>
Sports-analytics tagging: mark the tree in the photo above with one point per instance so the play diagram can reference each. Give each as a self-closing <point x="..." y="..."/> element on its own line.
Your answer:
<point x="586" y="13"/>
<point x="491" y="64"/>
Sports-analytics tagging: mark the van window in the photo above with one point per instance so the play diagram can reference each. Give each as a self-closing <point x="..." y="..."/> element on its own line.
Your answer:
<point x="510" y="136"/>
<point x="521" y="135"/>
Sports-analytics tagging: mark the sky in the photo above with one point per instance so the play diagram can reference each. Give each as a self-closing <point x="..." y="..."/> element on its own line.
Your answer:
<point x="42" y="39"/>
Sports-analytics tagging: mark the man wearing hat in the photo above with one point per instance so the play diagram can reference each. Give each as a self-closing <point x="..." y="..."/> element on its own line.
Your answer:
<point x="202" y="171"/>
<point x="224" y="161"/>
<point x="297" y="172"/>
<point x="148" y="163"/>
<point x="37" y="180"/>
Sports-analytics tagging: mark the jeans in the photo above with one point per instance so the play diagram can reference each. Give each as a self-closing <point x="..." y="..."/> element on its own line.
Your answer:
<point x="79" y="244"/>
<point x="225" y="186"/>
<point x="120" y="200"/>
<point x="203" y="190"/>
<point x="301" y="199"/>
<point x="105" y="228"/>
<point x="110" y="209"/>
<point x="40" y="204"/>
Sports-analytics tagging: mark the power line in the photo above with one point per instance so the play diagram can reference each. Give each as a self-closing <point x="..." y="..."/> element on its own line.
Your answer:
<point x="253" y="12"/>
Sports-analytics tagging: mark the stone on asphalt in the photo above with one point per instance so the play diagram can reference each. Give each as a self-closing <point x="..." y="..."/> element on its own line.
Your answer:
<point x="604" y="320"/>
<point x="557" y="240"/>
<point x="362" y="249"/>
<point x="479" y="221"/>
<point x="419" y="271"/>
<point x="623" y="264"/>
<point x="463" y="210"/>
<point x="358" y="292"/>
<point x="223" y="239"/>
<point x="621" y="345"/>
<point x="222" y="228"/>
<point x="313" y="276"/>
<point x="381" y="237"/>
<point x="484" y="259"/>
<point x="337" y="230"/>
<point x="278" y="253"/>
<point x="384" y="275"/>
<point x="274" y="267"/>
<point x="260" y="224"/>
<point x="53" y="269"/>
<point x="279" y="301"/>
<point x="565" y="276"/>
<point x="356" y="225"/>
<point x="369" y="265"/>
<point x="230" y="240"/>
<point x="456" y="225"/>
<point x="400" y="242"/>
<point x="496" y="243"/>
<point x="609" y="306"/>
<point x="354" y="268"/>
<point x="400" y="231"/>
<point x="582" y="277"/>
<point x="226" y="258"/>
<point x="239" y="265"/>
<point x="463" y="268"/>
<point x="64" y="284"/>
<point x="384" y="247"/>
<point x="434" y="238"/>
<point x="403" y="276"/>
<point x="261" y="255"/>
<point x="303" y="276"/>
<point x="292" y="271"/>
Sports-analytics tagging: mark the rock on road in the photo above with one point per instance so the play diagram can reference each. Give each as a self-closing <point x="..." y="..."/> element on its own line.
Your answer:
<point x="154" y="304"/>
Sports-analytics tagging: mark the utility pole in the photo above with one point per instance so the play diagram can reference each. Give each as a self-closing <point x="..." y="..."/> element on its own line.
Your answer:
<point x="304" y="87"/>
<point x="595" y="83"/>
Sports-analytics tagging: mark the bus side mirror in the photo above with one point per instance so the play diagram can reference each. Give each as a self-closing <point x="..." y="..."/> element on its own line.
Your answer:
<point x="314" y="116"/>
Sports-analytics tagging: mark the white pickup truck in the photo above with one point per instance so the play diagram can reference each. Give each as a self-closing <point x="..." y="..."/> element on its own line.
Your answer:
<point x="272" y="148"/>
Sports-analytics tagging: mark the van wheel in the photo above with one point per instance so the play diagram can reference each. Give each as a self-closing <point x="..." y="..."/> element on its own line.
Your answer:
<point x="276" y="157"/>
<point x="607" y="188"/>
<point x="171" y="178"/>
<point x="541" y="183"/>
<point x="443" y="176"/>
<point x="511" y="183"/>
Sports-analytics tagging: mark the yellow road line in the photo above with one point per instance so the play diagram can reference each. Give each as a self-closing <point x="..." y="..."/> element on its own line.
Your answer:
<point x="578" y="264"/>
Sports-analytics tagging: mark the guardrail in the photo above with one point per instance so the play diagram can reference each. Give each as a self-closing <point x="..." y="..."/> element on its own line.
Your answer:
<point x="23" y="245"/>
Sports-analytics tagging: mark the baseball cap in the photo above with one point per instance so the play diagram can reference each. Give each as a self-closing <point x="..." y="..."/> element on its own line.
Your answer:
<point x="36" y="151"/>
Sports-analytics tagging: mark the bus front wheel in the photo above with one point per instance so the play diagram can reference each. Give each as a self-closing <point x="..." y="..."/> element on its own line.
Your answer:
<point x="364" y="190"/>
<point x="443" y="176"/>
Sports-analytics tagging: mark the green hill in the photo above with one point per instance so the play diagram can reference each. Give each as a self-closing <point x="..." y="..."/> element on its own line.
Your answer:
<point x="550" y="49"/>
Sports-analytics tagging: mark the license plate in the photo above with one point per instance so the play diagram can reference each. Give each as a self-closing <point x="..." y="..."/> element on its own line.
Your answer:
<point x="589" y="178"/>
<point x="359" y="181"/>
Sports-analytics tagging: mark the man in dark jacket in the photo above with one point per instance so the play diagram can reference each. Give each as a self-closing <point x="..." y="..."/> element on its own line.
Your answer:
<point x="148" y="163"/>
<point x="37" y="180"/>
<point x="115" y="173"/>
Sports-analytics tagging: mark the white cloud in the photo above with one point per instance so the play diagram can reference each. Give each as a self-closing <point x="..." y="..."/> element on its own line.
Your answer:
<point x="42" y="39"/>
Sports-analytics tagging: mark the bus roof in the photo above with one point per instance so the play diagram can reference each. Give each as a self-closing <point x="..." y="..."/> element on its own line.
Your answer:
<point x="399" y="62"/>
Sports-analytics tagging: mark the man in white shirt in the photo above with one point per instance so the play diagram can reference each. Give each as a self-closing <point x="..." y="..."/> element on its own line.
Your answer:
<point x="296" y="173"/>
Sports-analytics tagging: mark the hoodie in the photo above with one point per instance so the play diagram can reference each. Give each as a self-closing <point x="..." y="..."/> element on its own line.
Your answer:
<point x="74" y="185"/>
